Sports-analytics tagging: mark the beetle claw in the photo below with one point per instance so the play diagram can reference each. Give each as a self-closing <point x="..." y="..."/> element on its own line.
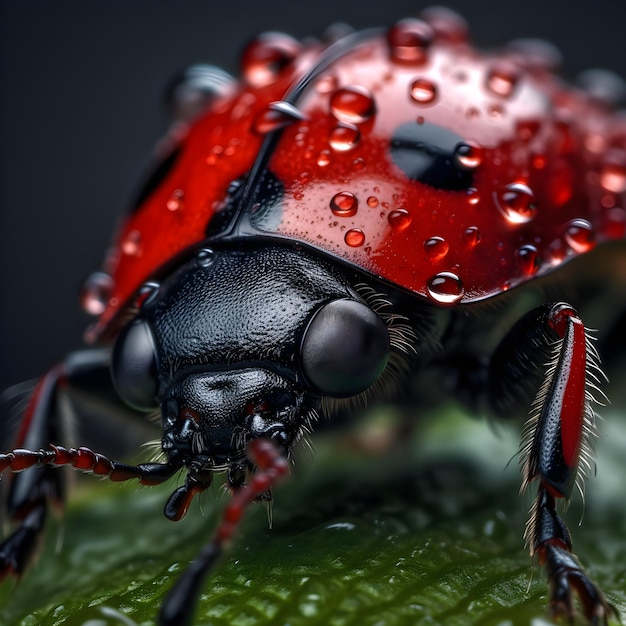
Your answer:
<point x="567" y="578"/>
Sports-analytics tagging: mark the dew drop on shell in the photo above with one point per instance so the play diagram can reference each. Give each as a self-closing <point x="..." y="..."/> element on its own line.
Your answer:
<point x="96" y="292"/>
<point x="423" y="91"/>
<point x="175" y="203"/>
<point x="528" y="259"/>
<point x="579" y="235"/>
<point x="399" y="219"/>
<point x="502" y="79"/>
<point x="344" y="137"/>
<point x="344" y="204"/>
<point x="353" y="104"/>
<point x="436" y="248"/>
<point x="409" y="40"/>
<point x="205" y="257"/>
<point x="468" y="155"/>
<point x="266" y="57"/>
<point x="516" y="202"/>
<point x="355" y="238"/>
<point x="445" y="288"/>
<point x="472" y="236"/>
<point x="323" y="158"/>
<point x="131" y="244"/>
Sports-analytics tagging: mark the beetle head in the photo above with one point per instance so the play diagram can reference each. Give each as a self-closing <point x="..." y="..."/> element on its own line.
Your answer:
<point x="246" y="347"/>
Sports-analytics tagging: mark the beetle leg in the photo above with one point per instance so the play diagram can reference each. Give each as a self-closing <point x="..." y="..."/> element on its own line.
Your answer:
<point x="271" y="466"/>
<point x="17" y="549"/>
<point x="28" y="496"/>
<point x="44" y="420"/>
<point x="556" y="452"/>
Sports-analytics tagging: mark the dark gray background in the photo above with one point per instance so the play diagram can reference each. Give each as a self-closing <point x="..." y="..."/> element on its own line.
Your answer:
<point x="81" y="85"/>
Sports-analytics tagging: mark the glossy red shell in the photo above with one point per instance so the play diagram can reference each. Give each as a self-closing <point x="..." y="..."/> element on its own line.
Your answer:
<point x="546" y="165"/>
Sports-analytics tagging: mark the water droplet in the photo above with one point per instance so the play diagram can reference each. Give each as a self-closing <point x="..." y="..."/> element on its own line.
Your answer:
<point x="95" y="293"/>
<point x="399" y="219"/>
<point x="234" y="186"/>
<point x="536" y="54"/>
<point x="232" y="147"/>
<point x="528" y="259"/>
<point x="353" y="104"/>
<point x="131" y="244"/>
<point x="423" y="91"/>
<point x="146" y="294"/>
<point x="358" y="163"/>
<point x="447" y="24"/>
<point x="468" y="155"/>
<point x="344" y="204"/>
<point x="214" y="155"/>
<point x="579" y="235"/>
<point x="175" y="203"/>
<point x="205" y="257"/>
<point x="472" y="236"/>
<point x="516" y="202"/>
<point x="344" y="137"/>
<point x="372" y="202"/>
<point x="409" y="40"/>
<point x="436" y="248"/>
<point x="502" y="78"/>
<point x="613" y="175"/>
<point x="445" y="288"/>
<point x="355" y="237"/>
<point x="274" y="116"/>
<point x="323" y="158"/>
<point x="266" y="57"/>
<point x="473" y="196"/>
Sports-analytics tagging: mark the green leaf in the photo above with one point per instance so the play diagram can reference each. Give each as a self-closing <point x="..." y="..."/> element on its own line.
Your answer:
<point x="425" y="534"/>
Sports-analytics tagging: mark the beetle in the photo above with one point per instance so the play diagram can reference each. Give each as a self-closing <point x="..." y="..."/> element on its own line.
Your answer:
<point x="318" y="231"/>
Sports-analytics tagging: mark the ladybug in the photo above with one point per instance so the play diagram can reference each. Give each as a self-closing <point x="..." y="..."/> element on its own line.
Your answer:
<point x="319" y="232"/>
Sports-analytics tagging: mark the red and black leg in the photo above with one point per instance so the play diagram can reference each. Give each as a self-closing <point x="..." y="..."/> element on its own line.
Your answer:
<point x="30" y="493"/>
<point x="45" y="420"/>
<point x="556" y="444"/>
<point x="269" y="466"/>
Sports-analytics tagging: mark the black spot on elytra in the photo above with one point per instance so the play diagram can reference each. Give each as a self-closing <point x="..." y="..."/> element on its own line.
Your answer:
<point x="425" y="152"/>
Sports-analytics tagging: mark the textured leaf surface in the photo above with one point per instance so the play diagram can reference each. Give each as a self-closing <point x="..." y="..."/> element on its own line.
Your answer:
<point x="428" y="535"/>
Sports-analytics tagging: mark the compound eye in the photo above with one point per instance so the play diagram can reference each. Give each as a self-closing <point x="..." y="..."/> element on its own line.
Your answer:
<point x="345" y="348"/>
<point x="134" y="366"/>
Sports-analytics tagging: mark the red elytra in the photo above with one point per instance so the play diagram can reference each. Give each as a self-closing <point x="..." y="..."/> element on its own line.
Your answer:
<point x="534" y="168"/>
